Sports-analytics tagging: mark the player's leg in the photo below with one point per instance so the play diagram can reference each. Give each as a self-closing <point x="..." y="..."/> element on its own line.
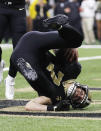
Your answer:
<point x="38" y="104"/>
<point x="3" y="23"/>
<point x="18" y="28"/>
<point x="67" y="32"/>
<point x="2" y="64"/>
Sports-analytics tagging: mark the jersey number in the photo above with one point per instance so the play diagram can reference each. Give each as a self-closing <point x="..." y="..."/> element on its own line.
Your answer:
<point x="56" y="79"/>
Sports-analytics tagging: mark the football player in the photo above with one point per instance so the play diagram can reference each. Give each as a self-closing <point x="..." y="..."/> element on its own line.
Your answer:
<point x="47" y="71"/>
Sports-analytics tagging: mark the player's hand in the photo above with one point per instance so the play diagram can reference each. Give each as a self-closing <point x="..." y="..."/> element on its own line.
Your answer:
<point x="71" y="54"/>
<point x="63" y="105"/>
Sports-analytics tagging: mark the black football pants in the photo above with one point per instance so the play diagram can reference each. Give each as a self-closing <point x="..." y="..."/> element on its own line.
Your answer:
<point x="16" y="20"/>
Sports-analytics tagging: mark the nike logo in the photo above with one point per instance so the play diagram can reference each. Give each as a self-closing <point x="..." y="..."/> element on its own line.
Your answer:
<point x="21" y="8"/>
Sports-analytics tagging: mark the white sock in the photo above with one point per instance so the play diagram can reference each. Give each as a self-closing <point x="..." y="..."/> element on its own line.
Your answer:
<point x="10" y="78"/>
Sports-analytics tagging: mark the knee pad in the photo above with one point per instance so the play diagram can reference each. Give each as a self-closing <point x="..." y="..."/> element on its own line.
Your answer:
<point x="26" y="70"/>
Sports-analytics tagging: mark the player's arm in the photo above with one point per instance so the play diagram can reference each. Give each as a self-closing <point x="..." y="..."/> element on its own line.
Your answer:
<point x="71" y="54"/>
<point x="38" y="104"/>
<point x="44" y="103"/>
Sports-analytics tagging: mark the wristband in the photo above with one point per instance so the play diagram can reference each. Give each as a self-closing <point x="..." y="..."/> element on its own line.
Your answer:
<point x="50" y="108"/>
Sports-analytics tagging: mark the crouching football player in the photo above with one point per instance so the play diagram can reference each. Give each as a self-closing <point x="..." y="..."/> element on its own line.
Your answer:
<point x="47" y="72"/>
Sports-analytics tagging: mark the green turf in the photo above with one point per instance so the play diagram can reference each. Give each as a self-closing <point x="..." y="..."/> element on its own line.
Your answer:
<point x="87" y="52"/>
<point x="47" y="124"/>
<point x="6" y="55"/>
<point x="90" y="74"/>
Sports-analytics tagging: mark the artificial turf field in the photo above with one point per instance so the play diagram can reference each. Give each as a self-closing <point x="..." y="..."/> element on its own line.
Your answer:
<point x="90" y="75"/>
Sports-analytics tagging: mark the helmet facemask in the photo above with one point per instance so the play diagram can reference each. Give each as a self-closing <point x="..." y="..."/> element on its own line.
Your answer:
<point x="78" y="95"/>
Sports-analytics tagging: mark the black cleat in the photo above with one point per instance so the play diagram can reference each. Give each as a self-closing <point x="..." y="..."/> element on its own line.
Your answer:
<point x="56" y="22"/>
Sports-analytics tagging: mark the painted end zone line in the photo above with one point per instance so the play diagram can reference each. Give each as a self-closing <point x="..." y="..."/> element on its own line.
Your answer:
<point x="61" y="114"/>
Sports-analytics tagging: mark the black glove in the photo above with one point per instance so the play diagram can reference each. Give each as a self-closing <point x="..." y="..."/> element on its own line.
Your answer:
<point x="63" y="105"/>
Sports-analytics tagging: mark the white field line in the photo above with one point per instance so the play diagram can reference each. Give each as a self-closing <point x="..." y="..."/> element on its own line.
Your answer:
<point x="90" y="46"/>
<point x="6" y="46"/>
<point x="89" y="58"/>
